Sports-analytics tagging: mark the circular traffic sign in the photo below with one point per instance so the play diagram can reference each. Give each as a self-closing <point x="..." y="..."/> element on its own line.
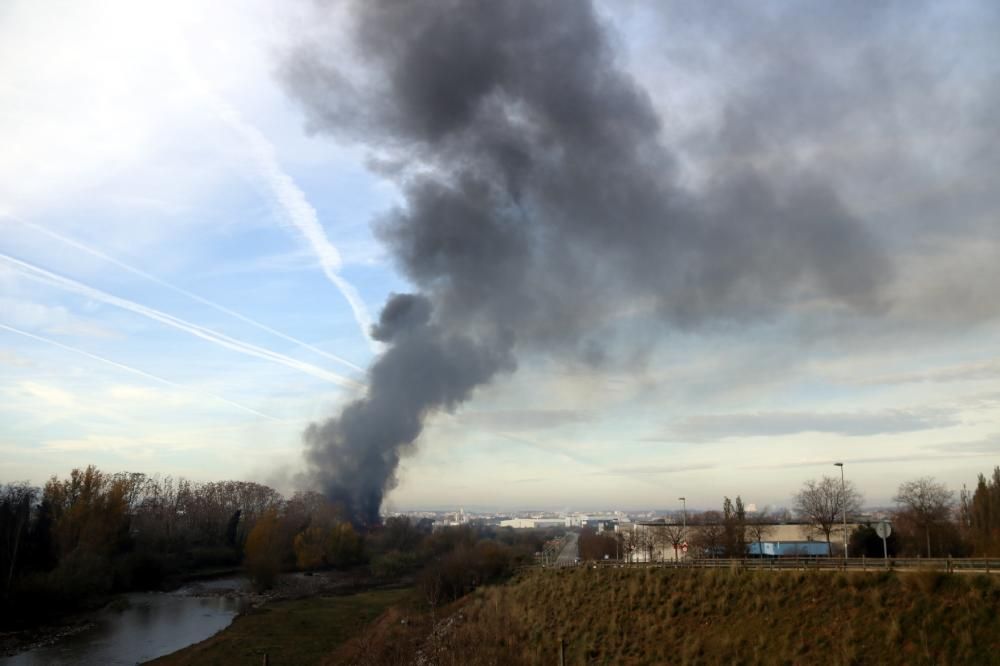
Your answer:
<point x="883" y="529"/>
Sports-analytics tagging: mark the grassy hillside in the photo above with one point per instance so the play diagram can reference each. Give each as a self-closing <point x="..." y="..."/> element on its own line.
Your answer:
<point x="658" y="616"/>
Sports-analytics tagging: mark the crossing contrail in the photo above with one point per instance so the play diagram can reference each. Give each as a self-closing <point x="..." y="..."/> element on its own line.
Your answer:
<point x="136" y="371"/>
<point x="299" y="211"/>
<point x="288" y="195"/>
<point x="179" y="290"/>
<point x="215" y="337"/>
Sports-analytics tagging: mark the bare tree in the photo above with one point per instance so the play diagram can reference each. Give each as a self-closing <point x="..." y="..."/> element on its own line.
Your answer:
<point x="758" y="525"/>
<point x="708" y="537"/>
<point x="927" y="503"/>
<point x="661" y="540"/>
<point x="647" y="541"/>
<point x="823" y="503"/>
<point x="632" y="542"/>
<point x="674" y="535"/>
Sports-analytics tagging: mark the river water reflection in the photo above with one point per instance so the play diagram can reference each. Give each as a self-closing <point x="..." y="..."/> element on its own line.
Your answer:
<point x="153" y="624"/>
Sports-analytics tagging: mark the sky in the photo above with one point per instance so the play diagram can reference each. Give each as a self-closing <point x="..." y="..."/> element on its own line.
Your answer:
<point x="191" y="262"/>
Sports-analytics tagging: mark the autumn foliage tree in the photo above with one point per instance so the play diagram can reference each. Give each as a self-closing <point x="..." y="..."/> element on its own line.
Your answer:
<point x="89" y="510"/>
<point x="265" y="549"/>
<point x="333" y="546"/>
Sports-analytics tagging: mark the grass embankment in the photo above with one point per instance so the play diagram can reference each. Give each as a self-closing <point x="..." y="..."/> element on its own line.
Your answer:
<point x="657" y="616"/>
<point x="302" y="631"/>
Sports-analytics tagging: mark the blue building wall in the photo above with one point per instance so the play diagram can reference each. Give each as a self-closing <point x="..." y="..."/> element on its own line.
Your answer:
<point x="788" y="549"/>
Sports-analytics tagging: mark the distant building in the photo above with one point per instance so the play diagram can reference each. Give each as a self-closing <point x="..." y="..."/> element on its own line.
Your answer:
<point x="534" y="523"/>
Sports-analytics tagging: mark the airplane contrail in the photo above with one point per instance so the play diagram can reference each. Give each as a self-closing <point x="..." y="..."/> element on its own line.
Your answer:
<point x="194" y="329"/>
<point x="163" y="283"/>
<point x="289" y="196"/>
<point x="298" y="209"/>
<point x="136" y="371"/>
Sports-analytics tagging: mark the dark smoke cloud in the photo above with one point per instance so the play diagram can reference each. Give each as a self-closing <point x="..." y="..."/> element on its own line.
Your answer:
<point x="354" y="456"/>
<point x="540" y="207"/>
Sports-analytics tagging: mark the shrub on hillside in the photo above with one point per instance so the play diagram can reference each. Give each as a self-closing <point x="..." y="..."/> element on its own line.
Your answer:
<point x="394" y="564"/>
<point x="335" y="546"/>
<point x="464" y="569"/>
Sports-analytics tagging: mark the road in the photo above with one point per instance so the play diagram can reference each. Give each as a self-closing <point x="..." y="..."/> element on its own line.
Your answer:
<point x="570" y="551"/>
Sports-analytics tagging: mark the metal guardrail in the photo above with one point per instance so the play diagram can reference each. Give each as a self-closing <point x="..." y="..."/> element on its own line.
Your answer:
<point x="949" y="564"/>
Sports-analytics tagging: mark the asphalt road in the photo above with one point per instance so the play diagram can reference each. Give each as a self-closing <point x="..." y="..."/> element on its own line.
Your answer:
<point x="570" y="551"/>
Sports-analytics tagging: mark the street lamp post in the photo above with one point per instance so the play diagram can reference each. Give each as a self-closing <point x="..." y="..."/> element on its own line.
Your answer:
<point x="843" y="505"/>
<point x="684" y="524"/>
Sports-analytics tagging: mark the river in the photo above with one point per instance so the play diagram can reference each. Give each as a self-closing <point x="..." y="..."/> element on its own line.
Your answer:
<point x="151" y="625"/>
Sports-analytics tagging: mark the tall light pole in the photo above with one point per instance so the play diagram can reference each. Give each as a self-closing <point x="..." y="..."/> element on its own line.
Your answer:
<point x="684" y="525"/>
<point x="843" y="505"/>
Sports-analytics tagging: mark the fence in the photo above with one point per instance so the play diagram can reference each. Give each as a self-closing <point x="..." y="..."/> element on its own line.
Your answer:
<point x="949" y="564"/>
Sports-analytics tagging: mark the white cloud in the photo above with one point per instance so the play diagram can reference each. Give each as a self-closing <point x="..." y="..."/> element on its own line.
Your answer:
<point x="51" y="319"/>
<point x="709" y="427"/>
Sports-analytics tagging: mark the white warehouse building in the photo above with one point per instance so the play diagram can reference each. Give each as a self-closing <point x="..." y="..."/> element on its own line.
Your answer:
<point x="534" y="523"/>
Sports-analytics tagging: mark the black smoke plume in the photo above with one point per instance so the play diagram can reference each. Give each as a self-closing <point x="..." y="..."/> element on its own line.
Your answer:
<point x="541" y="206"/>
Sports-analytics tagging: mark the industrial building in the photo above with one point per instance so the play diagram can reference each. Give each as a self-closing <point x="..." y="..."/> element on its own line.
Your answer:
<point x="652" y="542"/>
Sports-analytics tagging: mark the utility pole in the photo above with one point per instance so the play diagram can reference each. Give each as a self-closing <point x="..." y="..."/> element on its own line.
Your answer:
<point x="843" y="506"/>
<point x="684" y="525"/>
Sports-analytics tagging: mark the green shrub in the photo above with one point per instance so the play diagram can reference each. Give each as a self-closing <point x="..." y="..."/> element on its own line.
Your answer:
<point x="394" y="564"/>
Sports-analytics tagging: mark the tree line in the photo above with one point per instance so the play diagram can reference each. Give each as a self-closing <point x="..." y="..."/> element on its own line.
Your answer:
<point x="73" y="542"/>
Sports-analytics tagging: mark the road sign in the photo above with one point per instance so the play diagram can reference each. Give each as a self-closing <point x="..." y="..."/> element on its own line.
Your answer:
<point x="884" y="529"/>
<point x="684" y="547"/>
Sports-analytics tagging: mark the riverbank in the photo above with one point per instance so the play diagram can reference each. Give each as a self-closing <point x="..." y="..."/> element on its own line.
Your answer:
<point x="58" y="628"/>
<point x="291" y="631"/>
<point x="23" y="640"/>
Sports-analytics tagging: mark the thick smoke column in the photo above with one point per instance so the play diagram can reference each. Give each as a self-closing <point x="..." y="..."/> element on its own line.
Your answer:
<point x="354" y="456"/>
<point x="540" y="206"/>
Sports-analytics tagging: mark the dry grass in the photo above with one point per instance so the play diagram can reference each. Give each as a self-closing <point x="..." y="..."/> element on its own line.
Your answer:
<point x="639" y="616"/>
<point x="656" y="616"/>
